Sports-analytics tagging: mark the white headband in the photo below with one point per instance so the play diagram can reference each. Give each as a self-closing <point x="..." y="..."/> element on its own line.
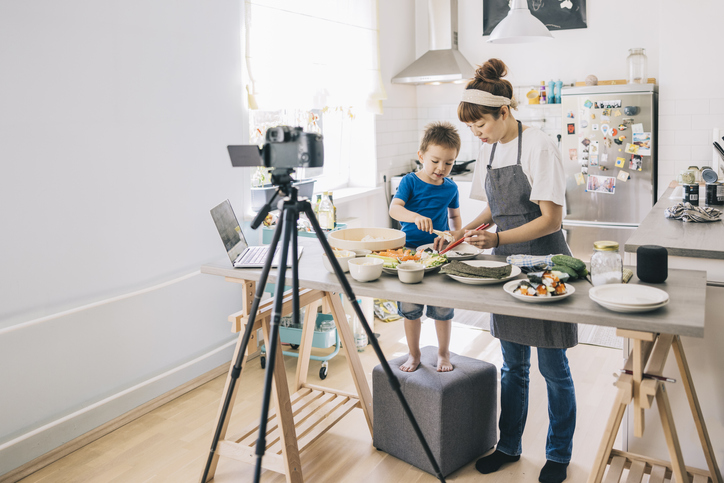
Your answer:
<point x="485" y="98"/>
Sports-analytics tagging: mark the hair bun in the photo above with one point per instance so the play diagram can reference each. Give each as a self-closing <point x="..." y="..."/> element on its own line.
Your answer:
<point x="492" y="70"/>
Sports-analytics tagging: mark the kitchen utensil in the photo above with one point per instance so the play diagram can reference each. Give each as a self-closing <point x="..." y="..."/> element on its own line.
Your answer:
<point x="343" y="256"/>
<point x="513" y="284"/>
<point x="445" y="235"/>
<point x="628" y="295"/>
<point x="410" y="272"/>
<point x="456" y="243"/>
<point x="365" y="269"/>
<point x="460" y="167"/>
<point x="514" y="272"/>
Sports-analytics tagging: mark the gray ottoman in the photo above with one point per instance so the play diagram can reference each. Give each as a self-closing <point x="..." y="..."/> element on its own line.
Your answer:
<point x="457" y="411"/>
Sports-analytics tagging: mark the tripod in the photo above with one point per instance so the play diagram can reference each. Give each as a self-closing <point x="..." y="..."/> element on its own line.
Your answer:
<point x="287" y="231"/>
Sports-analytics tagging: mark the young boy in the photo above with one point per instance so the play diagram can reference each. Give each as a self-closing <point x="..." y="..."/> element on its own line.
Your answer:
<point x="424" y="201"/>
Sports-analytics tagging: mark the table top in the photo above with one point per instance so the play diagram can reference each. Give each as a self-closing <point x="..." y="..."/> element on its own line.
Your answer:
<point x="697" y="240"/>
<point x="684" y="315"/>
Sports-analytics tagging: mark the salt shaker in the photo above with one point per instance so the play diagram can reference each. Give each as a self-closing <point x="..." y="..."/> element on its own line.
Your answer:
<point x="606" y="263"/>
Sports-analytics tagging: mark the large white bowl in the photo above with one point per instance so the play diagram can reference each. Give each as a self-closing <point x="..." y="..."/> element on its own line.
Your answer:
<point x="351" y="239"/>
<point x="365" y="269"/>
<point x="343" y="257"/>
<point x="410" y="272"/>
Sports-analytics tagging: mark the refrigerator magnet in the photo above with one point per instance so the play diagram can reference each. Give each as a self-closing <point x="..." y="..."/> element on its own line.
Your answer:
<point x="632" y="148"/>
<point x="605" y="118"/>
<point x="613" y="104"/>
<point x="619" y="162"/>
<point x="603" y="168"/>
<point x="642" y="141"/>
<point x="588" y="104"/>
<point x="573" y="154"/>
<point x="622" y="127"/>
<point x="614" y="131"/>
<point x="617" y="113"/>
<point x="593" y="161"/>
<point x="584" y="140"/>
<point x="594" y="127"/>
<point x="571" y="128"/>
<point x="605" y="128"/>
<point x="623" y="175"/>
<point x="636" y="163"/>
<point x="584" y="124"/>
<point x="593" y="148"/>
<point x="607" y="142"/>
<point x="606" y="112"/>
<point x="601" y="184"/>
<point x="637" y="128"/>
<point x="570" y="115"/>
<point x="593" y="116"/>
<point x="604" y="158"/>
<point x="595" y="105"/>
<point x="579" y="179"/>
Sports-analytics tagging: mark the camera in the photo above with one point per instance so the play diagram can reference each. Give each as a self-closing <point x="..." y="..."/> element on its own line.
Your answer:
<point x="285" y="147"/>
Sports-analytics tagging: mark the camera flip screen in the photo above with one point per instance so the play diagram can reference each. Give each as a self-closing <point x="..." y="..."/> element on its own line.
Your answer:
<point x="245" y="155"/>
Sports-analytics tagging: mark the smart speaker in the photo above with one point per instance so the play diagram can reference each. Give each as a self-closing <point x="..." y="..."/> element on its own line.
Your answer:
<point x="652" y="263"/>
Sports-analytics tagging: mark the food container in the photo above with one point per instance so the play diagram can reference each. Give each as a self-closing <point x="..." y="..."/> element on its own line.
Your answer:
<point x="410" y="272"/>
<point x="378" y="239"/>
<point x="365" y="269"/>
<point x="691" y="194"/>
<point x="343" y="256"/>
<point x="606" y="264"/>
<point x="361" y="252"/>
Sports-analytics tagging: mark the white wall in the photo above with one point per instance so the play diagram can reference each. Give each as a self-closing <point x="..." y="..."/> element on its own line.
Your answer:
<point x="114" y="117"/>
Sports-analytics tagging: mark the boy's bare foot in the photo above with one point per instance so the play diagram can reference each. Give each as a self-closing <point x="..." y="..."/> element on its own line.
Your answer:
<point x="443" y="363"/>
<point x="411" y="364"/>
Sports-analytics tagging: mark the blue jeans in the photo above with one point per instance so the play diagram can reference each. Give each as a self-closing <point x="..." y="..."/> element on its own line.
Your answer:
<point x="553" y="365"/>
<point x="412" y="311"/>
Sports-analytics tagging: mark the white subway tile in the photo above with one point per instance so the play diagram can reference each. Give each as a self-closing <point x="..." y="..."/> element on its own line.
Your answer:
<point x="435" y="113"/>
<point x="691" y="137"/>
<point x="667" y="108"/>
<point x="692" y="106"/>
<point x="708" y="121"/>
<point x="701" y="154"/>
<point x="667" y="138"/>
<point x="716" y="106"/>
<point x="673" y="153"/>
<point x="675" y="122"/>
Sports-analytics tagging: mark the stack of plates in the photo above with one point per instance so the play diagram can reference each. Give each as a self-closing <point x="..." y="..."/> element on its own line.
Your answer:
<point x="622" y="297"/>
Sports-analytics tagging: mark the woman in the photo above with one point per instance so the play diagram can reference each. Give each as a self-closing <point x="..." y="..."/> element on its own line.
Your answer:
<point x="520" y="173"/>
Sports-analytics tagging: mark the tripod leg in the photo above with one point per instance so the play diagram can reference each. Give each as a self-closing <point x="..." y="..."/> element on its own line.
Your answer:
<point x="370" y="335"/>
<point x="286" y="421"/>
<point x="235" y="371"/>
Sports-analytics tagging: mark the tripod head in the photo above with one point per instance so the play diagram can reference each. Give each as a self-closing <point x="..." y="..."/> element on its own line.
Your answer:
<point x="282" y="179"/>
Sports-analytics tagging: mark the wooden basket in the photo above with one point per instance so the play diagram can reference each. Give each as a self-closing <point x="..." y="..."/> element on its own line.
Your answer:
<point x="351" y="239"/>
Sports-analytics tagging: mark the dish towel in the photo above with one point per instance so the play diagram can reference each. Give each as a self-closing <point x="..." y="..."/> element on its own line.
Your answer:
<point x="530" y="263"/>
<point x="689" y="212"/>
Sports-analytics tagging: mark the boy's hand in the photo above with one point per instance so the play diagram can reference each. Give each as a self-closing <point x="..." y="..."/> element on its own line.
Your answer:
<point x="423" y="223"/>
<point x="439" y="244"/>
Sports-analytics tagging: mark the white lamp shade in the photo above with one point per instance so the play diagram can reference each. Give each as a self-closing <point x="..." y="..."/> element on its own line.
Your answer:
<point x="519" y="26"/>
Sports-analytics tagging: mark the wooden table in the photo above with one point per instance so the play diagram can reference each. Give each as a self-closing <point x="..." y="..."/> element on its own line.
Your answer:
<point x="684" y="315"/>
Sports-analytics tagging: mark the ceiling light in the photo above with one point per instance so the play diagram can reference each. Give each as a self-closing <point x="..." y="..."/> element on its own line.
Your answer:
<point x="519" y="26"/>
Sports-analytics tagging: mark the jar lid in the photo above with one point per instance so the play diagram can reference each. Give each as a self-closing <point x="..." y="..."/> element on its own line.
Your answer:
<point x="605" y="245"/>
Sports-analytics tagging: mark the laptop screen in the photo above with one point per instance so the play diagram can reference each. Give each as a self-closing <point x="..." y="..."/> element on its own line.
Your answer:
<point x="229" y="229"/>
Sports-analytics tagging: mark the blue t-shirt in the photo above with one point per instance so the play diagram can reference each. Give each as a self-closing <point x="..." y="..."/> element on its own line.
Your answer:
<point x="427" y="200"/>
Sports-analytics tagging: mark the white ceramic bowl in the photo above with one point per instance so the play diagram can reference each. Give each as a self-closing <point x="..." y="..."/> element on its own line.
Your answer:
<point x="365" y="269"/>
<point x="343" y="256"/>
<point x="410" y="272"/>
<point x="361" y="252"/>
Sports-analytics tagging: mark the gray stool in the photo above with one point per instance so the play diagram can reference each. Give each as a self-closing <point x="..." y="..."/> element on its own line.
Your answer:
<point x="457" y="411"/>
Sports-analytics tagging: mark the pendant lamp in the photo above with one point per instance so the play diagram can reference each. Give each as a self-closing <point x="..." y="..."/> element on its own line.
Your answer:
<point x="519" y="26"/>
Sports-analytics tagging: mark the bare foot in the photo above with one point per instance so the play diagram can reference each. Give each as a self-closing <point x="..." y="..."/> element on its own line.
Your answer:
<point x="411" y="364"/>
<point x="443" y="363"/>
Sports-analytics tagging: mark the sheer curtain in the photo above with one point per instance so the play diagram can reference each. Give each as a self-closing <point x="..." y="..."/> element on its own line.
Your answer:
<point x="316" y="62"/>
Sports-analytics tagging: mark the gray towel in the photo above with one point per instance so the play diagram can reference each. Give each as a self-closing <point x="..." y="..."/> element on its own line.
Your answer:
<point x="689" y="212"/>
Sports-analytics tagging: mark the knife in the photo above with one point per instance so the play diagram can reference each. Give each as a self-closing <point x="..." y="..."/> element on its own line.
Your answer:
<point x="454" y="244"/>
<point x="719" y="149"/>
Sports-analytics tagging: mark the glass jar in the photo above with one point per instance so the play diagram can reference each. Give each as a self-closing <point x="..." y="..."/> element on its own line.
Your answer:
<point x="637" y="66"/>
<point x="606" y="264"/>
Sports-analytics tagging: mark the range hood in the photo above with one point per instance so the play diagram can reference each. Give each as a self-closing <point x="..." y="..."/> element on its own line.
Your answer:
<point x="443" y="62"/>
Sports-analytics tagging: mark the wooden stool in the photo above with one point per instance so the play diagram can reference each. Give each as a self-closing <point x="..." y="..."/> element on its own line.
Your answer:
<point x="298" y="420"/>
<point x="648" y="357"/>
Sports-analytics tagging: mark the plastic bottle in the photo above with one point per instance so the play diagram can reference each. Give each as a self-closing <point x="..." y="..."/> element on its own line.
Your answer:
<point x="551" y="92"/>
<point x="360" y="336"/>
<point x="559" y="86"/>
<point x="315" y="205"/>
<point x="326" y="213"/>
<point x="543" y="92"/>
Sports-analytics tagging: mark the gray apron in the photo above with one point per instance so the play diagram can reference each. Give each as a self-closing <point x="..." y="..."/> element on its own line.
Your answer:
<point x="508" y="192"/>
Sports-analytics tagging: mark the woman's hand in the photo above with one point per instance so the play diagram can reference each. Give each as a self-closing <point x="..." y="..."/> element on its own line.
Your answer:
<point x="423" y="223"/>
<point x="482" y="239"/>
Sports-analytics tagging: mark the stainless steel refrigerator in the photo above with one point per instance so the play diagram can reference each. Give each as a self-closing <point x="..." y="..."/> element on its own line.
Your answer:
<point x="607" y="130"/>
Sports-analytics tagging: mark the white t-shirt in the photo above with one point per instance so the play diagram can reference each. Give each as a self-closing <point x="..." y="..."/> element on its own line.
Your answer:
<point x="541" y="162"/>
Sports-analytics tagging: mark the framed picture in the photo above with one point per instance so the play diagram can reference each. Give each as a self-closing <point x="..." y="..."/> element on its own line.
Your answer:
<point x="555" y="14"/>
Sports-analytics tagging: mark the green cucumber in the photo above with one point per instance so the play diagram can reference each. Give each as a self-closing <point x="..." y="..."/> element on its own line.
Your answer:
<point x="566" y="269"/>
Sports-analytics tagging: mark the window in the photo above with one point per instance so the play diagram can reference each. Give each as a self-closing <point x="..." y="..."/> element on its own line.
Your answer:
<point x="315" y="64"/>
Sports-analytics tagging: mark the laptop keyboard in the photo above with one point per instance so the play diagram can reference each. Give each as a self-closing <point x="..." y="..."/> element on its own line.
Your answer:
<point x="254" y="255"/>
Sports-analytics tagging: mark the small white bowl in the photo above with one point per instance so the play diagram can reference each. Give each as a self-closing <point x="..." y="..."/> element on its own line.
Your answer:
<point x="361" y="252"/>
<point x="343" y="256"/>
<point x="410" y="272"/>
<point x="365" y="269"/>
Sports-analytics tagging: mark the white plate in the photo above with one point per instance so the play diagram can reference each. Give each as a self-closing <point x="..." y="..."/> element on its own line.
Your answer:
<point x="628" y="308"/>
<point x="515" y="271"/>
<point x="513" y="284"/>
<point x="466" y="251"/>
<point x="628" y="294"/>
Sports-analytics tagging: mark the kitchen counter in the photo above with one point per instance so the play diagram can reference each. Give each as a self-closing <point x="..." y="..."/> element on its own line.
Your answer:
<point x="696" y="240"/>
<point x="684" y="315"/>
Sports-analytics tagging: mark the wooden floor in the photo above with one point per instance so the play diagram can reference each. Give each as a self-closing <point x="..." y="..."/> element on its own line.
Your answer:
<point x="171" y="443"/>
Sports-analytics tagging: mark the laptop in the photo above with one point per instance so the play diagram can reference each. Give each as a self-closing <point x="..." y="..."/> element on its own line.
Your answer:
<point x="239" y="251"/>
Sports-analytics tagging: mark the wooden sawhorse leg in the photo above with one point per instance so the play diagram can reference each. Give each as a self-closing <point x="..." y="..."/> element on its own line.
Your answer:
<point x="648" y="357"/>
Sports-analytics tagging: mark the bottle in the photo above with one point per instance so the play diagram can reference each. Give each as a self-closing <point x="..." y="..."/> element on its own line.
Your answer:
<point x="315" y="205"/>
<point x="559" y="86"/>
<point x="360" y="336"/>
<point x="606" y="264"/>
<point x="257" y="180"/>
<point x="326" y="213"/>
<point x="551" y="92"/>
<point x="637" y="66"/>
<point x="331" y="200"/>
<point x="542" y="92"/>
